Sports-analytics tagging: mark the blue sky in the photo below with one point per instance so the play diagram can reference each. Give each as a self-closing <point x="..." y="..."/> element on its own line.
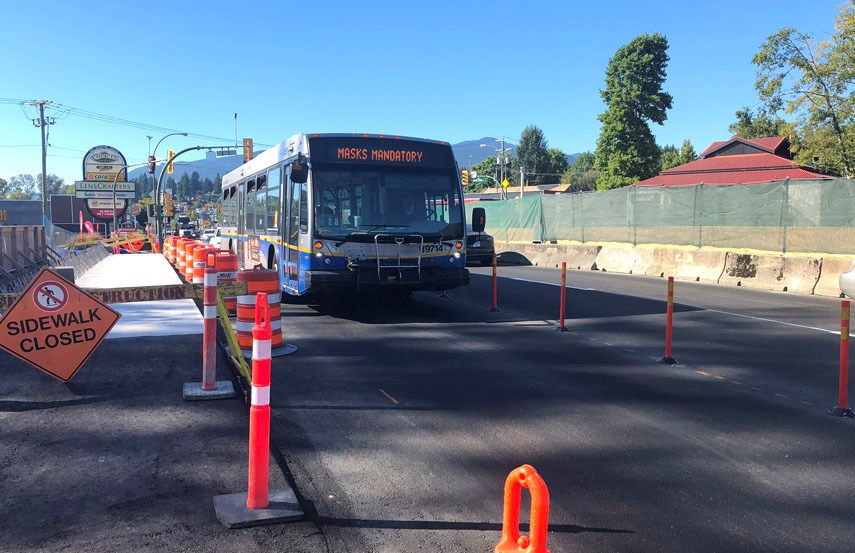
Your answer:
<point x="450" y="71"/>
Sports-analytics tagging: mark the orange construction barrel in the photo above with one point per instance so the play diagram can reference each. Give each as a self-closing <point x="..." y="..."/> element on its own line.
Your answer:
<point x="258" y="280"/>
<point x="188" y="260"/>
<point x="180" y="254"/>
<point x="226" y="263"/>
<point x="200" y="256"/>
<point x="169" y="248"/>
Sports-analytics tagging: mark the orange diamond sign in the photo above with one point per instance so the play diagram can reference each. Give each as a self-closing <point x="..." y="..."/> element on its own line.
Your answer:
<point x="55" y="326"/>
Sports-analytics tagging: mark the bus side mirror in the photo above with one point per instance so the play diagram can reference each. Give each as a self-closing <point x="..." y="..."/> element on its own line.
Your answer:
<point x="479" y="219"/>
<point x="299" y="172"/>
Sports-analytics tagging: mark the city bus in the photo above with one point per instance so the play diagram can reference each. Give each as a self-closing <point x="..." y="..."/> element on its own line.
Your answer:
<point x="347" y="213"/>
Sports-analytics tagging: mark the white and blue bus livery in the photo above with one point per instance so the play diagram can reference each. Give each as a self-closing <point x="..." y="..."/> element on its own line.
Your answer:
<point x="350" y="213"/>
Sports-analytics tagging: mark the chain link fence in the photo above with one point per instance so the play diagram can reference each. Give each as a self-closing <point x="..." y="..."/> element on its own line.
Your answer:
<point x="804" y="216"/>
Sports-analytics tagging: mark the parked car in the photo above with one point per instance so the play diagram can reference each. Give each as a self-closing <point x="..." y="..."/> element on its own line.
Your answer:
<point x="847" y="281"/>
<point x="479" y="247"/>
<point x="208" y="234"/>
<point x="216" y="239"/>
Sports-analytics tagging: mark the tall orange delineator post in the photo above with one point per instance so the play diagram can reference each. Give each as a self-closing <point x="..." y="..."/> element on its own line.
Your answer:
<point x="495" y="308"/>
<point x="259" y="411"/>
<point x="563" y="298"/>
<point x="259" y="505"/>
<point x="669" y="322"/>
<point x="210" y="387"/>
<point x="511" y="542"/>
<point x="842" y="409"/>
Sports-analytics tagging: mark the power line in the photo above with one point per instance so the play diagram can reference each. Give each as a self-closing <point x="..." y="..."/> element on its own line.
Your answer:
<point x="63" y="112"/>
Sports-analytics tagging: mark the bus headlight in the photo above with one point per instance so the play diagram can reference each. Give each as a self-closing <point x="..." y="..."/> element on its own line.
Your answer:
<point x="456" y="255"/>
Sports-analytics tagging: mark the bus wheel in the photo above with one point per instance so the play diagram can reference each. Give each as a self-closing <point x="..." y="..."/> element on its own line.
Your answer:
<point x="273" y="260"/>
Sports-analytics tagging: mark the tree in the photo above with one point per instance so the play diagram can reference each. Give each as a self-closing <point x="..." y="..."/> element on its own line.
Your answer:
<point x="533" y="156"/>
<point x="670" y="157"/>
<point x="195" y="184"/>
<point x="25" y="186"/>
<point x="759" y="125"/>
<point x="813" y="80"/>
<point x="687" y="152"/>
<point x="626" y="149"/>
<point x="557" y="164"/>
<point x="581" y="173"/>
<point x="4" y="188"/>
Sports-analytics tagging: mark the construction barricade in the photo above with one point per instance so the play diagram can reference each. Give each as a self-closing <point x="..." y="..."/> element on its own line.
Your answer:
<point x="226" y="263"/>
<point x="200" y="256"/>
<point x="266" y="281"/>
<point x="189" y="248"/>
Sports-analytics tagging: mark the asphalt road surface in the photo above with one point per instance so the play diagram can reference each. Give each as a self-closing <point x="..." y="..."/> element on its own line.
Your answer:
<point x="400" y="421"/>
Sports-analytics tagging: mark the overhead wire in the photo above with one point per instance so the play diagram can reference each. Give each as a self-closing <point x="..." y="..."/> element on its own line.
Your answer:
<point x="63" y="111"/>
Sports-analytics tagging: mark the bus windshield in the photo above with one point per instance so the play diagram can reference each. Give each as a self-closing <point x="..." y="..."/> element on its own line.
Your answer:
<point x="353" y="200"/>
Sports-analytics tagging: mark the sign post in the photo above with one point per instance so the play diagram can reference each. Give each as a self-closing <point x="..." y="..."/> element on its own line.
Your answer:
<point x="55" y="326"/>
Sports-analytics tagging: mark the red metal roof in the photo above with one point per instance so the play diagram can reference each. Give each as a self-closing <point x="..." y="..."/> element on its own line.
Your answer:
<point x="769" y="144"/>
<point x="742" y="162"/>
<point x="736" y="169"/>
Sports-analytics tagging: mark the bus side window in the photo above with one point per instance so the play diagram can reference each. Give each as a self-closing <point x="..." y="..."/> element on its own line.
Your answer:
<point x="261" y="204"/>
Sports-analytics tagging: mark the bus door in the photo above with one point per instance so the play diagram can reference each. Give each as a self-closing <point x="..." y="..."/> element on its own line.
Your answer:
<point x="241" y="224"/>
<point x="292" y="236"/>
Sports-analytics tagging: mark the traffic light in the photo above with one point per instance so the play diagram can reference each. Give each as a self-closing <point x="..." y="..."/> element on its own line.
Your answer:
<point x="168" y="207"/>
<point x="151" y="164"/>
<point x="464" y="177"/>
<point x="169" y="166"/>
<point x="247" y="149"/>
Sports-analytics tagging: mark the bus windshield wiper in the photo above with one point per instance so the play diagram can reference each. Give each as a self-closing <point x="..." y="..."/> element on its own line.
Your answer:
<point x="372" y="229"/>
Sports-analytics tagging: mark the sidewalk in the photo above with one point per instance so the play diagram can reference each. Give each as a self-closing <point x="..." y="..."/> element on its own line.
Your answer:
<point x="150" y="318"/>
<point x="116" y="460"/>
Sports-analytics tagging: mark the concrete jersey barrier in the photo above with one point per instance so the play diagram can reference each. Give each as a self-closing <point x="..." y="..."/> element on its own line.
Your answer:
<point x="828" y="283"/>
<point x="802" y="275"/>
<point x="616" y="259"/>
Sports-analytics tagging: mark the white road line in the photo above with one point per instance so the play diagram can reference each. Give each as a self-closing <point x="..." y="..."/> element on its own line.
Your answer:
<point x="837" y="332"/>
<point x="548" y="283"/>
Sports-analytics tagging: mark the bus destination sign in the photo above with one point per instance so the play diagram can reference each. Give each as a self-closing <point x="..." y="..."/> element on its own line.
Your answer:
<point x="380" y="151"/>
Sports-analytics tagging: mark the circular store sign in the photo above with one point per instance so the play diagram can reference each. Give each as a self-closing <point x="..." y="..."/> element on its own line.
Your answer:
<point x="104" y="209"/>
<point x="102" y="163"/>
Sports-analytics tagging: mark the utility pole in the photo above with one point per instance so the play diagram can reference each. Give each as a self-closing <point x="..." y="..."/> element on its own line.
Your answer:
<point x="522" y="181"/>
<point x="41" y="122"/>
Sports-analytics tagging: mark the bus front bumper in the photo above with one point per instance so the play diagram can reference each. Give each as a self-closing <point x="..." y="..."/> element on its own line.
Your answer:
<point x="367" y="280"/>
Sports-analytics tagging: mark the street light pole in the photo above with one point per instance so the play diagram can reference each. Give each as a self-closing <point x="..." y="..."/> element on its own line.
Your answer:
<point x="157" y="188"/>
<point x="147" y="179"/>
<point x="115" y="180"/>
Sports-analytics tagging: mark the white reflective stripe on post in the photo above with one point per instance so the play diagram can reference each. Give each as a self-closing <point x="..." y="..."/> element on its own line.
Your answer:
<point x="260" y="395"/>
<point x="210" y="279"/>
<point x="244" y="326"/>
<point x="250" y="300"/>
<point x="261" y="349"/>
<point x="210" y="312"/>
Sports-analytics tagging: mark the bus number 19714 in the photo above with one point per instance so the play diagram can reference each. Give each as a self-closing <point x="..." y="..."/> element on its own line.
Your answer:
<point x="432" y="248"/>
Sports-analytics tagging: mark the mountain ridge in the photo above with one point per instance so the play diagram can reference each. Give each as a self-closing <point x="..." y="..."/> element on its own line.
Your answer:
<point x="467" y="153"/>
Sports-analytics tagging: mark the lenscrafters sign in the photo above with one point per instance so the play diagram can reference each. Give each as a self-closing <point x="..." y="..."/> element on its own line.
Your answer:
<point x="104" y="178"/>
